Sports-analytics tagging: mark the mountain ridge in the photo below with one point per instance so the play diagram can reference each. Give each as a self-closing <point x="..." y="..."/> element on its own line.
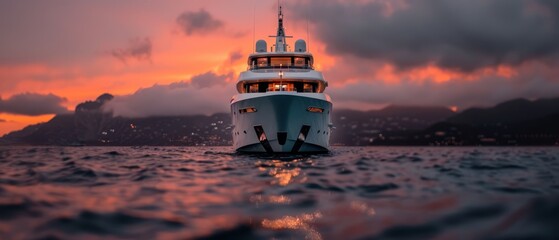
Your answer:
<point x="510" y="112"/>
<point x="513" y="122"/>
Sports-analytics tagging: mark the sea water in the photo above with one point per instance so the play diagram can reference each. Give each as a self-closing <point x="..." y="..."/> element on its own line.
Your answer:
<point x="214" y="193"/>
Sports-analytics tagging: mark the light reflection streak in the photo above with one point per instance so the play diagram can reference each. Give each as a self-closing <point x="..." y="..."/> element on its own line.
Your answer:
<point x="362" y="207"/>
<point x="282" y="171"/>
<point x="295" y="223"/>
<point x="284" y="176"/>
<point x="280" y="199"/>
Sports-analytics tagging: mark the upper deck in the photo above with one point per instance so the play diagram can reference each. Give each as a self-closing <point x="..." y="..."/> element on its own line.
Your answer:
<point x="276" y="79"/>
<point x="280" y="60"/>
<point x="281" y="69"/>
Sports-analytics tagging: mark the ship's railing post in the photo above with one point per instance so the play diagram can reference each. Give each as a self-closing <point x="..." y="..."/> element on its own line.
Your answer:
<point x="281" y="78"/>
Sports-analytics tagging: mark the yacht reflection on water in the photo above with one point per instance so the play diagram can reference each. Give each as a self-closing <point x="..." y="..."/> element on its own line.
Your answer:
<point x="287" y="171"/>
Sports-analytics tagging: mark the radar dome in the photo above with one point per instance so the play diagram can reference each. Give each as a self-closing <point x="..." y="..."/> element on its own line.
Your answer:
<point x="300" y="46"/>
<point x="261" y="46"/>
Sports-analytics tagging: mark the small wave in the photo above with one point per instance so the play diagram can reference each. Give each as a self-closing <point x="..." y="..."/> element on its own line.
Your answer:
<point x="293" y="192"/>
<point x="495" y="167"/>
<point x="72" y="175"/>
<point x="183" y="169"/>
<point x="29" y="164"/>
<point x="431" y="229"/>
<point x="130" y="167"/>
<point x="516" y="190"/>
<point x="325" y="188"/>
<point x="114" y="153"/>
<point x="208" y="193"/>
<point x="241" y="231"/>
<point x="378" y="188"/>
<point x="144" y="174"/>
<point x="425" y="231"/>
<point x="12" y="210"/>
<point x="116" y="223"/>
<point x="406" y="158"/>
<point x="343" y="171"/>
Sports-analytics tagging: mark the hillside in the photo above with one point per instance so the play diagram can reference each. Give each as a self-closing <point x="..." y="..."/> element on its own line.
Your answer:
<point x="510" y="112"/>
<point x="515" y="122"/>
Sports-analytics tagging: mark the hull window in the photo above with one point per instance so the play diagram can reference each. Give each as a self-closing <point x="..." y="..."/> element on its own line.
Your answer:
<point x="315" y="109"/>
<point x="247" y="110"/>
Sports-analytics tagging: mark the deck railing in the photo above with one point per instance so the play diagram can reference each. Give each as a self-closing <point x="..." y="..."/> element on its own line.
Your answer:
<point x="277" y="69"/>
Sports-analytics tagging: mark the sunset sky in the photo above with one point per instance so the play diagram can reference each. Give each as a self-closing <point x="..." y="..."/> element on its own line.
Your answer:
<point x="183" y="57"/>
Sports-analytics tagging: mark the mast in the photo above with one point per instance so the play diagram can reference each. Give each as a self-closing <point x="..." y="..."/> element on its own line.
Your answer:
<point x="281" y="44"/>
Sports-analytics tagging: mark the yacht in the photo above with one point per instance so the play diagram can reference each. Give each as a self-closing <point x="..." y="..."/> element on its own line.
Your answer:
<point x="281" y="106"/>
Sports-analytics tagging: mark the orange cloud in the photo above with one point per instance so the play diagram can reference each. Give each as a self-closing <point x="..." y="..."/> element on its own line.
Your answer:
<point x="391" y="74"/>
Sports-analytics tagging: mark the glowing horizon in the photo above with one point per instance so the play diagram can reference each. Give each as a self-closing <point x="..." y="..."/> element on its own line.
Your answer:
<point x="82" y="50"/>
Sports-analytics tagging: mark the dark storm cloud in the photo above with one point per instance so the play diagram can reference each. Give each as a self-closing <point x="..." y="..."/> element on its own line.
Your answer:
<point x="138" y="48"/>
<point x="460" y="35"/>
<point x="200" y="22"/>
<point x="33" y="104"/>
<point x="209" y="79"/>
<point x="483" y="92"/>
<point x="204" y="80"/>
<point x="204" y="94"/>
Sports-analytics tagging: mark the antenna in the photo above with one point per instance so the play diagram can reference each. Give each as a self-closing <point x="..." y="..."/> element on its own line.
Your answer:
<point x="308" y="34"/>
<point x="253" y="26"/>
<point x="281" y="44"/>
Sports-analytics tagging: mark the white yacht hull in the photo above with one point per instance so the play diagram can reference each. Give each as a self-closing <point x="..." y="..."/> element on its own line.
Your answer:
<point x="282" y="122"/>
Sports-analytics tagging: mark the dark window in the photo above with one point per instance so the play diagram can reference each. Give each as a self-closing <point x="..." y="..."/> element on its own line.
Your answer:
<point x="310" y="87"/>
<point x="299" y="86"/>
<point x="262" y="87"/>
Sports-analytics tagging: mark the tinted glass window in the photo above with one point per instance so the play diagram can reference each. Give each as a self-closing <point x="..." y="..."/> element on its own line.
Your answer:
<point x="299" y="62"/>
<point x="281" y="61"/>
<point x="262" y="62"/>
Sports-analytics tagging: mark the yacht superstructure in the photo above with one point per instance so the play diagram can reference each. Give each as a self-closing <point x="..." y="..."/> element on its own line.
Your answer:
<point x="281" y="106"/>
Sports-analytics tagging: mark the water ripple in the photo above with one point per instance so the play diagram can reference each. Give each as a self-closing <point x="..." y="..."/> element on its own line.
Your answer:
<point x="213" y="193"/>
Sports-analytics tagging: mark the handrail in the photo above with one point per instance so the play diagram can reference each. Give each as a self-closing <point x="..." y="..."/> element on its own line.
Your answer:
<point x="282" y="68"/>
<point x="272" y="89"/>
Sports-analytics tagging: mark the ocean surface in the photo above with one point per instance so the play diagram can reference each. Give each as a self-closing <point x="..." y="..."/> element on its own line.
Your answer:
<point x="214" y="193"/>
